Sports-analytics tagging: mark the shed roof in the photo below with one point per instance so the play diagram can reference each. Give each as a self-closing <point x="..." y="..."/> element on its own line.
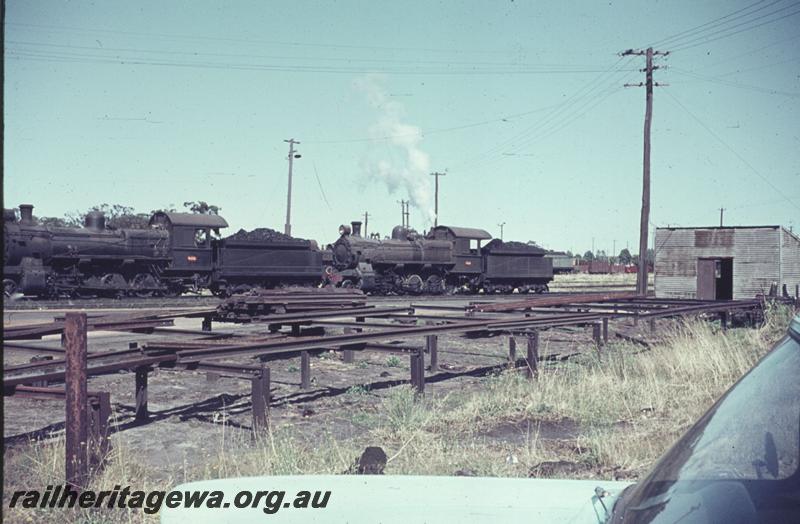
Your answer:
<point x="466" y="232"/>
<point x="189" y="219"/>
<point x="721" y="227"/>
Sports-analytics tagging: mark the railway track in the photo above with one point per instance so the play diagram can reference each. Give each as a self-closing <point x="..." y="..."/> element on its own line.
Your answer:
<point x="188" y="301"/>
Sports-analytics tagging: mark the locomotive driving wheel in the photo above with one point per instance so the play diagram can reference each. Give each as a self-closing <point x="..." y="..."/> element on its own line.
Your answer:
<point x="142" y="285"/>
<point x="114" y="284"/>
<point x="434" y="285"/>
<point x="413" y="284"/>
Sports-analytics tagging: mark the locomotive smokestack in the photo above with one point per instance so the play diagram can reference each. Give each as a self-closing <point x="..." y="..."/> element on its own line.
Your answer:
<point x="95" y="220"/>
<point x="356" y="228"/>
<point x="26" y="214"/>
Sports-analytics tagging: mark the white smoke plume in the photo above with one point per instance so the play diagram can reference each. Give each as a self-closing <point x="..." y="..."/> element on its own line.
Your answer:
<point x="396" y="158"/>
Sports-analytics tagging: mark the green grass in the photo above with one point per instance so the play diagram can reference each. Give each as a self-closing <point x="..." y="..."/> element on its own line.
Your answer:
<point x="393" y="362"/>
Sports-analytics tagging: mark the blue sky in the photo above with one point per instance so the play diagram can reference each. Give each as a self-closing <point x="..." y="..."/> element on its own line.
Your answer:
<point x="155" y="103"/>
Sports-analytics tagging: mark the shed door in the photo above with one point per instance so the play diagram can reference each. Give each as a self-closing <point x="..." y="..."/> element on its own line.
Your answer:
<point x="706" y="279"/>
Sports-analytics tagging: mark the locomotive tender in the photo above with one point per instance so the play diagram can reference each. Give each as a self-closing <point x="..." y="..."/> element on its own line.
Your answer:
<point x="447" y="259"/>
<point x="179" y="253"/>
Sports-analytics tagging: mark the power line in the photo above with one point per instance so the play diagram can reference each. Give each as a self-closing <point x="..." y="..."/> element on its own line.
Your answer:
<point x="546" y="67"/>
<point x="319" y="183"/>
<point x="96" y="59"/>
<point x="584" y="92"/>
<point x="705" y="40"/>
<point x="739" y="85"/>
<point x="255" y="41"/>
<point x="551" y="126"/>
<point x="433" y="131"/>
<point x="589" y="104"/>
<point x="711" y="24"/>
<point x="752" y="51"/>
<point x="758" y="68"/>
<point x="732" y="150"/>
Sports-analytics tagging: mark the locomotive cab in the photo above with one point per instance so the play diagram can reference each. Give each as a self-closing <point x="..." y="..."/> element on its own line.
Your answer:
<point x="466" y="247"/>
<point x="190" y="239"/>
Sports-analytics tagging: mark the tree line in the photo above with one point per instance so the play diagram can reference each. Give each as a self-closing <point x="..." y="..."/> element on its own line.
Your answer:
<point x="126" y="217"/>
<point x="625" y="257"/>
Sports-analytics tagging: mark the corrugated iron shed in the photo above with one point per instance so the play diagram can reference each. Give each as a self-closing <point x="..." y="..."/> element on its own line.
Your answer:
<point x="725" y="262"/>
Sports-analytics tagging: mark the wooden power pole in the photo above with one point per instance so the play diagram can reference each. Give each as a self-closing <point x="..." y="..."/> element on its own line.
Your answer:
<point x="436" y="198"/>
<point x="641" y="277"/>
<point x="366" y="221"/>
<point x="287" y="230"/>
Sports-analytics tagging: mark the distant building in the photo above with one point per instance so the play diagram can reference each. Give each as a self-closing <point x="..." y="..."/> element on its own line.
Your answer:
<point x="722" y="263"/>
<point x="562" y="262"/>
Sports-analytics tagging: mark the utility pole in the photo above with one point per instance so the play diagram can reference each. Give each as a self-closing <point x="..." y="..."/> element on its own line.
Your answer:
<point x="641" y="277"/>
<point x="721" y="210"/>
<point x="436" y="198"/>
<point x="366" y="221"/>
<point x="501" y="229"/>
<point x="287" y="230"/>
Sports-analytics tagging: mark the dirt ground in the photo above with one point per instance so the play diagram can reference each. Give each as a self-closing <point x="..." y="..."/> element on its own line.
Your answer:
<point x="187" y="406"/>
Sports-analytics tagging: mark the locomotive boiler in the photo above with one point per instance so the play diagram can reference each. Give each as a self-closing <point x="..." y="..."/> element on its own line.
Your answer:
<point x="405" y="263"/>
<point x="45" y="260"/>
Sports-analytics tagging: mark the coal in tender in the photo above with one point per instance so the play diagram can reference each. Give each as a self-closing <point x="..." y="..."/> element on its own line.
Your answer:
<point x="263" y="234"/>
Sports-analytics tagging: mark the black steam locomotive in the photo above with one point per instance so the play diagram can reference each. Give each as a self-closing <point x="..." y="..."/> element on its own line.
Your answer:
<point x="447" y="259"/>
<point x="177" y="253"/>
<point x="182" y="252"/>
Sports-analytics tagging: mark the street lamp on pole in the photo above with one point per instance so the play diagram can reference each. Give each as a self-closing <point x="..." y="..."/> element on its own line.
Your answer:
<point x="287" y="230"/>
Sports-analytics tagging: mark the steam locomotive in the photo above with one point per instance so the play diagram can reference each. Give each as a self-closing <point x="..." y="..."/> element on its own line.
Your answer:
<point x="445" y="260"/>
<point x="177" y="253"/>
<point x="182" y="252"/>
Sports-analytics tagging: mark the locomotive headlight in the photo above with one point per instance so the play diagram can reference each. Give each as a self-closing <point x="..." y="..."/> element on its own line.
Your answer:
<point x="344" y="230"/>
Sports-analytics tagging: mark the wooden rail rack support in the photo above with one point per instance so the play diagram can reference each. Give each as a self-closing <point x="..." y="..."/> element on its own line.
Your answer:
<point x="605" y="330"/>
<point x="597" y="334"/>
<point x="76" y="401"/>
<point x="305" y="370"/>
<point x="347" y="354"/>
<point x="260" y="392"/>
<point x="512" y="350"/>
<point x="533" y="355"/>
<point x="40" y="358"/>
<point x="418" y="371"/>
<point x="99" y="413"/>
<point x="142" y="413"/>
<point x="206" y="326"/>
<point x="432" y="347"/>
